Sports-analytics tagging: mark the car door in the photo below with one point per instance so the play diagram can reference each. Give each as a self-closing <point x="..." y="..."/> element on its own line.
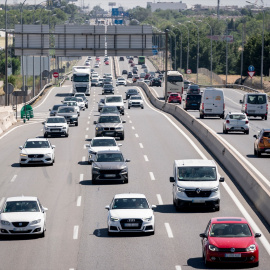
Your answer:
<point x="205" y="240"/>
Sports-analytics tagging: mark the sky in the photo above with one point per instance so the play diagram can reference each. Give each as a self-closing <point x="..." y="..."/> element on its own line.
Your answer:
<point x="132" y="3"/>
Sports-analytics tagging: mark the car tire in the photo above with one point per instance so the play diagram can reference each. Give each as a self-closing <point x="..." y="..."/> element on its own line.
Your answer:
<point x="247" y="132"/>
<point x="225" y="131"/>
<point x="152" y="233"/>
<point x="128" y="107"/>
<point x="222" y="116"/>
<point x="256" y="264"/>
<point x="201" y="116"/>
<point x="265" y="118"/>
<point x="93" y="180"/>
<point x="22" y="165"/>
<point x="258" y="153"/>
<point x="255" y="152"/>
<point x="42" y="234"/>
<point x="45" y="135"/>
<point x="217" y="208"/>
<point x="126" y="181"/>
<point x="123" y="113"/>
<point x="142" y="108"/>
<point x="110" y="233"/>
<point x="76" y="124"/>
<point x="122" y="137"/>
<point x="206" y="263"/>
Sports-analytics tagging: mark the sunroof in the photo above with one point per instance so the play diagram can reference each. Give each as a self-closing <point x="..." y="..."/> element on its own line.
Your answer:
<point x="229" y="219"/>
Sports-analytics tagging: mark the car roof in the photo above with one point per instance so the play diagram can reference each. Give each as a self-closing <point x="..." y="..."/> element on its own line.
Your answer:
<point x="236" y="113"/>
<point x="38" y="139"/>
<point x="110" y="114"/>
<point x="21" y="198"/>
<point x="129" y="195"/>
<point x="135" y="96"/>
<point x="57" y="116"/>
<point x="63" y="107"/>
<point x="103" y="138"/>
<point x="228" y="220"/>
<point x="109" y="151"/>
<point x="114" y="96"/>
<point x="194" y="162"/>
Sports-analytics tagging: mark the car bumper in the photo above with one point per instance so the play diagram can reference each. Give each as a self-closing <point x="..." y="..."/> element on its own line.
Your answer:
<point x="30" y="229"/>
<point x="72" y="120"/>
<point x="54" y="133"/>
<point x="135" y="105"/>
<point x="46" y="159"/>
<point x="232" y="128"/>
<point x="109" y="133"/>
<point x="121" y="226"/>
<point x="110" y="176"/>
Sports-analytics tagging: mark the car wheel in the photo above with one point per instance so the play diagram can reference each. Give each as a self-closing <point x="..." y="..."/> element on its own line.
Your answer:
<point x="152" y="233"/>
<point x="255" y="152"/>
<point x="206" y="263"/>
<point x="225" y="131"/>
<point x="110" y="233"/>
<point x="66" y="135"/>
<point x="201" y="116"/>
<point x="123" y="113"/>
<point x="222" y="116"/>
<point x="76" y="124"/>
<point x="128" y="107"/>
<point x="142" y="107"/>
<point x="45" y="135"/>
<point x="258" y="153"/>
<point x="265" y="118"/>
<point x="122" y="137"/>
<point x="256" y="264"/>
<point x="217" y="208"/>
<point x="93" y="180"/>
<point x="43" y="234"/>
<point x="247" y="132"/>
<point x="22" y="165"/>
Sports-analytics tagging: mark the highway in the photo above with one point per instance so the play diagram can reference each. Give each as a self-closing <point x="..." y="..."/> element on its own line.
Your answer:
<point x="76" y="236"/>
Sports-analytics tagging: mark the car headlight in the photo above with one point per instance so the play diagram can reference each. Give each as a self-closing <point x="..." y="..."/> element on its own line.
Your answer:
<point x="148" y="218"/>
<point x="23" y="155"/>
<point x="114" y="219"/>
<point x="251" y="248"/>
<point x="35" y="221"/>
<point x="213" y="248"/>
<point x="119" y="128"/>
<point x="98" y="128"/>
<point x="124" y="170"/>
<point x="215" y="189"/>
<point x="64" y="127"/>
<point x="74" y="116"/>
<point x="180" y="189"/>
<point x="4" y="222"/>
<point x="96" y="169"/>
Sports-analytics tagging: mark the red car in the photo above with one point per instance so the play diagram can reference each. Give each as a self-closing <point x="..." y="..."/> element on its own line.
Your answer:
<point x="229" y="240"/>
<point x="175" y="98"/>
<point x="132" y="64"/>
<point x="106" y="62"/>
<point x="130" y="61"/>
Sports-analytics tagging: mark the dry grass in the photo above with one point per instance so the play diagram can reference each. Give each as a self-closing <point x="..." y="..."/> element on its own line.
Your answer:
<point x="2" y="42"/>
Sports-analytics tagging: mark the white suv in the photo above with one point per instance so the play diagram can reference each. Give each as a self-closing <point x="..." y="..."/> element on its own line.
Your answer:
<point x="196" y="182"/>
<point x="116" y="100"/>
<point x="56" y="125"/>
<point x="135" y="101"/>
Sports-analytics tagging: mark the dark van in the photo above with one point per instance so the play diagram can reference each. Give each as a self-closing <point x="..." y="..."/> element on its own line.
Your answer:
<point x="192" y="102"/>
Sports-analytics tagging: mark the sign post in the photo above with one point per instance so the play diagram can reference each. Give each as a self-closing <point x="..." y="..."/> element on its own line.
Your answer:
<point x="55" y="75"/>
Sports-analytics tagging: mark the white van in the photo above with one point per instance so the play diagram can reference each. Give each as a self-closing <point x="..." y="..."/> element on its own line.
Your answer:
<point x="196" y="182"/>
<point x="212" y="103"/>
<point x="255" y="104"/>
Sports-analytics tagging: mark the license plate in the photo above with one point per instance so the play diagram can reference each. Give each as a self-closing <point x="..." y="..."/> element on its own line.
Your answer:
<point x="251" y="111"/>
<point x="232" y="255"/>
<point x="19" y="229"/>
<point x="194" y="104"/>
<point x="34" y="159"/>
<point x="198" y="201"/>
<point x="109" y="133"/>
<point x="109" y="175"/>
<point x="55" y="130"/>
<point x="208" y="110"/>
<point x="131" y="224"/>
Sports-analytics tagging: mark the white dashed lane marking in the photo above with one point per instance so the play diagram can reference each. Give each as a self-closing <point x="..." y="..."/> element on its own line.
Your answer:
<point x="79" y="200"/>
<point x="169" y="230"/>
<point x="75" y="232"/>
<point x="152" y="176"/>
<point x="141" y="145"/>
<point x="136" y="135"/>
<point x="146" y="158"/>
<point x="160" y="202"/>
<point x="13" y="178"/>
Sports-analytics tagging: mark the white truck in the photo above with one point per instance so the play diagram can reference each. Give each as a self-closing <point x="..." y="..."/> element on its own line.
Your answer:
<point x="81" y="80"/>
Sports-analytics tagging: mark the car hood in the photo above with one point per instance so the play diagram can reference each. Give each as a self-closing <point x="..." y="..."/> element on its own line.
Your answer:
<point x="103" y="148"/>
<point x="29" y="151"/>
<point x="114" y="104"/>
<point x="67" y="114"/>
<point x="21" y="216"/>
<point x="110" y="165"/>
<point x="231" y="242"/>
<point x="109" y="125"/>
<point x="55" y="124"/>
<point x="198" y="184"/>
<point x="131" y="213"/>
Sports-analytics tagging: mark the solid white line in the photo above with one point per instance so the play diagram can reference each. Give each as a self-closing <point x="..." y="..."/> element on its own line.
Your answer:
<point x="141" y="145"/>
<point x="133" y="127"/>
<point x="136" y="135"/>
<point x="178" y="267"/>
<point x="79" y="200"/>
<point x="13" y="178"/>
<point x="146" y="158"/>
<point x="84" y="146"/>
<point x="81" y="177"/>
<point x="44" y="99"/>
<point x="87" y="129"/>
<point x="75" y="232"/>
<point x="254" y="226"/>
<point x="152" y="176"/>
<point x="2" y="201"/>
<point x="86" y="136"/>
<point x="160" y="202"/>
<point x="169" y="230"/>
<point x="83" y="159"/>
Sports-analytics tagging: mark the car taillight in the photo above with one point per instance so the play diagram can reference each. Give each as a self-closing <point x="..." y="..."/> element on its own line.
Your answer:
<point x="245" y="107"/>
<point x="202" y="106"/>
<point x="228" y="121"/>
<point x="246" y="122"/>
<point x="267" y="107"/>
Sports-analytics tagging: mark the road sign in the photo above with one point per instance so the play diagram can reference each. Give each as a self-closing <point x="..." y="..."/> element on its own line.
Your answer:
<point x="55" y="74"/>
<point x="251" y="68"/>
<point x="189" y="71"/>
<point x="251" y="74"/>
<point x="115" y="12"/>
<point x="10" y="88"/>
<point x="118" y="21"/>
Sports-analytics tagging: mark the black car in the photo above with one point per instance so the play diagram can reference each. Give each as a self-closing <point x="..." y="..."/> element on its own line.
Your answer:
<point x="69" y="113"/>
<point x="155" y="82"/>
<point x="124" y="71"/>
<point x="194" y="89"/>
<point x="121" y="58"/>
<point x="108" y="89"/>
<point x="131" y="92"/>
<point x="192" y="102"/>
<point x="129" y="75"/>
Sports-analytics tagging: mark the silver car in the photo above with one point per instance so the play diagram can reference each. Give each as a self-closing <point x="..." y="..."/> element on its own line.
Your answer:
<point x="236" y="121"/>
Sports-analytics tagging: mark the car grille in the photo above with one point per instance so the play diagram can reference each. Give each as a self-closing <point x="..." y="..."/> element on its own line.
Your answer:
<point x="28" y="231"/>
<point x="110" y="171"/>
<point x="35" y="156"/>
<point x="229" y="250"/>
<point x="225" y="259"/>
<point x="109" y="128"/>
<point x="135" y="103"/>
<point x="20" y="224"/>
<point x="35" y="161"/>
<point x="193" y="193"/>
<point x="124" y="223"/>
<point x="81" y="89"/>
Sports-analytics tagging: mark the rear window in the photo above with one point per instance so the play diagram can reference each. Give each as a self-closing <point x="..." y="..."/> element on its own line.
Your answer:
<point x="175" y="78"/>
<point x="193" y="97"/>
<point x="256" y="99"/>
<point x="237" y="116"/>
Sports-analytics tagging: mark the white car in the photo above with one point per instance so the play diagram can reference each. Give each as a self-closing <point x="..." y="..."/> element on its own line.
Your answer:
<point x="37" y="151"/>
<point x="116" y="100"/>
<point x="96" y="65"/>
<point x="80" y="103"/>
<point x="130" y="212"/>
<point x="121" y="81"/>
<point x="56" y="125"/>
<point x="135" y="101"/>
<point x="236" y="121"/>
<point x="23" y="215"/>
<point x="101" y="144"/>
<point x="73" y="104"/>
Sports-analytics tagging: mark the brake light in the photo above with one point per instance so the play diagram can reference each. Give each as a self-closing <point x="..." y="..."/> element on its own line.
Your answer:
<point x="245" y="107"/>
<point x="246" y="122"/>
<point x="202" y="106"/>
<point x="267" y="107"/>
<point x="228" y="121"/>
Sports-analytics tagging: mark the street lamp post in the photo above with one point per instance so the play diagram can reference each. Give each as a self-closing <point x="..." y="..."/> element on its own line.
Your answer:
<point x="174" y="49"/>
<point x="187" y="46"/>
<point x="6" y="57"/>
<point x="180" y="58"/>
<point x="227" y="54"/>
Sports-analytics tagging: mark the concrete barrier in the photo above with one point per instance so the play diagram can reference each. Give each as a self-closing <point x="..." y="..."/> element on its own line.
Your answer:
<point x="242" y="174"/>
<point x="7" y="118"/>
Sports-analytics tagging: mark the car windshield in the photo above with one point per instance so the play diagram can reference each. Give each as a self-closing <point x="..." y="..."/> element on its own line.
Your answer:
<point x="237" y="116"/>
<point x="256" y="99"/>
<point x="230" y="230"/>
<point x="109" y="110"/>
<point x="109" y="157"/>
<point x="81" y="78"/>
<point x="132" y="91"/>
<point x="103" y="142"/>
<point x="37" y="144"/>
<point x="197" y="174"/>
<point x="130" y="203"/>
<point x="21" y="206"/>
<point x="109" y="119"/>
<point x="107" y="86"/>
<point x="66" y="110"/>
<point x="56" y="120"/>
<point x="266" y="134"/>
<point x="136" y="98"/>
<point x="174" y="78"/>
<point x="113" y="99"/>
<point x="68" y="103"/>
<point x="174" y="95"/>
<point x="55" y="107"/>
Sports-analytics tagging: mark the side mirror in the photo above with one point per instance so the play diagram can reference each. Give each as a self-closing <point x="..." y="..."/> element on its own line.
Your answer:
<point x="107" y="207"/>
<point x="124" y="121"/>
<point x="125" y="102"/>
<point x="20" y="147"/>
<point x="153" y="206"/>
<point x="43" y="122"/>
<point x="44" y="209"/>
<point x="241" y="101"/>
<point x="127" y="160"/>
<point x="172" y="179"/>
<point x="50" y="109"/>
<point x="255" y="136"/>
<point x="95" y="122"/>
<point x="221" y="179"/>
<point x="87" y="145"/>
<point x="203" y="235"/>
<point x="53" y="146"/>
<point x="120" y="144"/>
<point x="257" y="235"/>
